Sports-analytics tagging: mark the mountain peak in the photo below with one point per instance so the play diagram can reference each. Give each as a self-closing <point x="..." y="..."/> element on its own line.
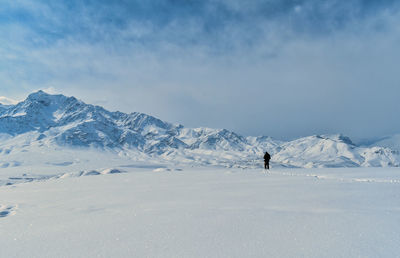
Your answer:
<point x="337" y="137"/>
<point x="42" y="95"/>
<point x="37" y="94"/>
<point x="43" y="98"/>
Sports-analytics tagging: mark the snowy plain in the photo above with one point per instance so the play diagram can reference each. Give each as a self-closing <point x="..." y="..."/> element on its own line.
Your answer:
<point x="205" y="212"/>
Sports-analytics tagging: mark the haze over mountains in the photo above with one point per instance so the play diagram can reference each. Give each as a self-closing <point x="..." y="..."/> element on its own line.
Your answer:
<point x="44" y="121"/>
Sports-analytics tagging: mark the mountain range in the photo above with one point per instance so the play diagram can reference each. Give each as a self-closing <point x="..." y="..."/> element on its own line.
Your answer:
<point x="45" y="120"/>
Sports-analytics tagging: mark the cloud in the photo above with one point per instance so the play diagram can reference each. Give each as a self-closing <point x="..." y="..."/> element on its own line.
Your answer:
<point x="51" y="90"/>
<point x="280" y="68"/>
<point x="7" y="101"/>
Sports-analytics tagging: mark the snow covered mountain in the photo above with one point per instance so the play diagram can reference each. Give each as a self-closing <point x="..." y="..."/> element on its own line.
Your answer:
<point x="334" y="151"/>
<point x="44" y="121"/>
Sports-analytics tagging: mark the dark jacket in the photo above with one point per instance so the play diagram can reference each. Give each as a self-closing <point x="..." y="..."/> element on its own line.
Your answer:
<point x="267" y="156"/>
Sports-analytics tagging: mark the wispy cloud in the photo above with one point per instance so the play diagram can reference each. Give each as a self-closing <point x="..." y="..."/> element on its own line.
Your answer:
<point x="7" y="101"/>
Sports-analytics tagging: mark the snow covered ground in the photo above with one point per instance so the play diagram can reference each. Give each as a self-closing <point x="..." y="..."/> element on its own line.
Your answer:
<point x="203" y="212"/>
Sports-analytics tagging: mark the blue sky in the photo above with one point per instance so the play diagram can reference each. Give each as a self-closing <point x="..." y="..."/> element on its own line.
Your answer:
<point x="279" y="68"/>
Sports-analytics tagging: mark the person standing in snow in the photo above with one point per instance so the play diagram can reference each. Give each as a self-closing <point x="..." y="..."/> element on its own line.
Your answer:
<point x="267" y="157"/>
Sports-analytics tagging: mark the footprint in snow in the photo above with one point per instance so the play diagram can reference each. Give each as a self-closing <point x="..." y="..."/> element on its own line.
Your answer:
<point x="4" y="165"/>
<point x="7" y="151"/>
<point x="7" y="210"/>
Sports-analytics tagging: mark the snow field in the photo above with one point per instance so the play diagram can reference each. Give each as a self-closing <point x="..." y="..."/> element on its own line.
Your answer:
<point x="205" y="212"/>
